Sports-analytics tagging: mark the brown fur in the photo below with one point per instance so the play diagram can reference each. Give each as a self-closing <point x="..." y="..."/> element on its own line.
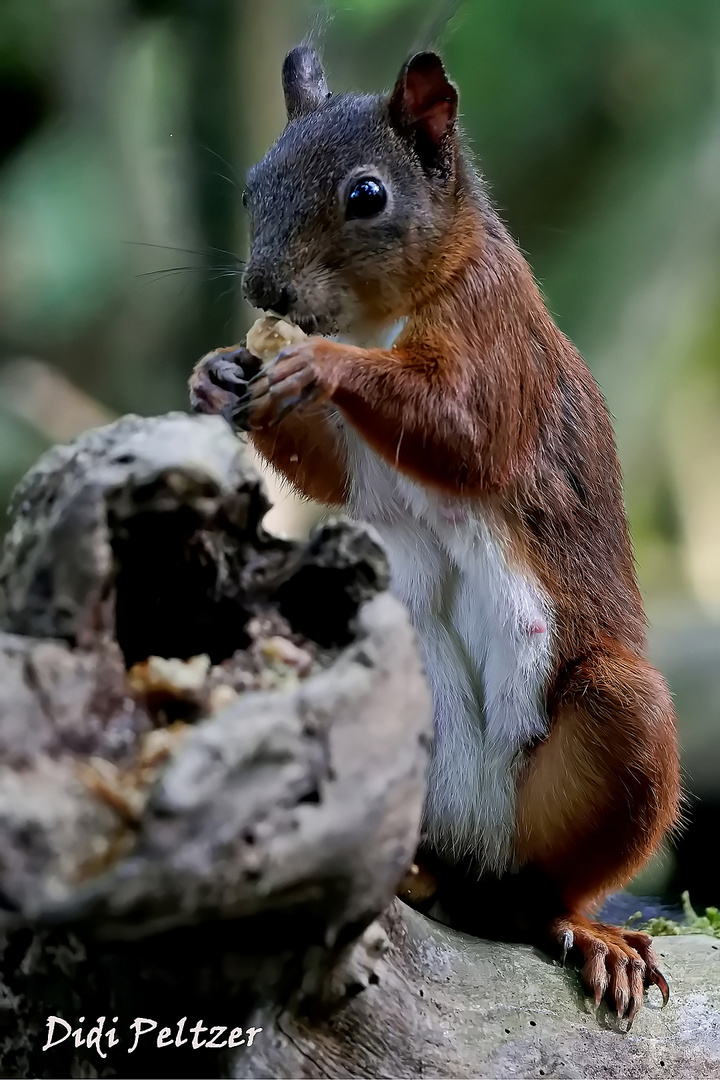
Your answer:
<point x="308" y="456"/>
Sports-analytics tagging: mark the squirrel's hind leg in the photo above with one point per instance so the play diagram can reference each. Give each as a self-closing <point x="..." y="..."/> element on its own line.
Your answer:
<point x="593" y="805"/>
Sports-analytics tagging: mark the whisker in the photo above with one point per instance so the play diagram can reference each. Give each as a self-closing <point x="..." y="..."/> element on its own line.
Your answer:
<point x="217" y="273"/>
<point x="222" y="176"/>
<point x="162" y="247"/>
<point x="225" y="293"/>
<point x="209" y="250"/>
<point x="236" y="180"/>
<point x="177" y="270"/>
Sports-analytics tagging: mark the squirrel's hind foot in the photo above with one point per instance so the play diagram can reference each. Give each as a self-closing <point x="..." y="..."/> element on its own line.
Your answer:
<point x="617" y="964"/>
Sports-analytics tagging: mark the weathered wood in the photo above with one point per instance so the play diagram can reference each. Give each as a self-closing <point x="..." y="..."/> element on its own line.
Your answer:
<point x="446" y="1005"/>
<point x="297" y="806"/>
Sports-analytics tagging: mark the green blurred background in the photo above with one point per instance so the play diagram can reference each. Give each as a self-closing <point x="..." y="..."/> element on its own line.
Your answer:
<point x="127" y="126"/>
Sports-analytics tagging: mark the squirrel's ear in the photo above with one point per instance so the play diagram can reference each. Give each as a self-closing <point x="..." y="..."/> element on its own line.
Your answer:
<point x="303" y="82"/>
<point x="424" y="99"/>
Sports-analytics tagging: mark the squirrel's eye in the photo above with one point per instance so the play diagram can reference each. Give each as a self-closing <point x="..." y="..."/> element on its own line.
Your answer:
<point x="366" y="198"/>
<point x="245" y="199"/>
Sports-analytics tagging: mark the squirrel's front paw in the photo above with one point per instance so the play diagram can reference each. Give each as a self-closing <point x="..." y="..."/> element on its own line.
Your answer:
<point x="292" y="380"/>
<point x="219" y="383"/>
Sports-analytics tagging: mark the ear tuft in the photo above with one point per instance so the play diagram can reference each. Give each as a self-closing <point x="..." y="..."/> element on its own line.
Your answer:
<point x="424" y="98"/>
<point x="303" y="81"/>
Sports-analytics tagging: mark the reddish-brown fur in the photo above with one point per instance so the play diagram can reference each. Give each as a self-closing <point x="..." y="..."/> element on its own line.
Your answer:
<point x="310" y="456"/>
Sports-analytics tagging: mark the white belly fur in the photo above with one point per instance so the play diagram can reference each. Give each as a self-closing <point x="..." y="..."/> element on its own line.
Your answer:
<point x="477" y="621"/>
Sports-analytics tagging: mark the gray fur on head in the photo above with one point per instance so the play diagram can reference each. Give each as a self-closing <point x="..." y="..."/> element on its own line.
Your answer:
<point x="303" y="81"/>
<point x="312" y="259"/>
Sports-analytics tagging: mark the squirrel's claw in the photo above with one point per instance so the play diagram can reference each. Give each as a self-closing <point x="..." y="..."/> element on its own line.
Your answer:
<point x="232" y="369"/>
<point x="226" y="376"/>
<point x="286" y="383"/>
<point x="655" y="977"/>
<point x="642" y="943"/>
<point x="309" y="395"/>
<point x="566" y="944"/>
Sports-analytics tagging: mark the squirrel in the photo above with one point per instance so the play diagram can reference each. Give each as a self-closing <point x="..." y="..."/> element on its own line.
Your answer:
<point x="437" y="400"/>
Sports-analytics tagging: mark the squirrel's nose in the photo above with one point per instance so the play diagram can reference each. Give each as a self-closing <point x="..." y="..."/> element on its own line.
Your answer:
<point x="264" y="291"/>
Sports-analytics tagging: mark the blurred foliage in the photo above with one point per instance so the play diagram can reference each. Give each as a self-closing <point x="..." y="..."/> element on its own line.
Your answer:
<point x="128" y="126"/>
<point x="708" y="924"/>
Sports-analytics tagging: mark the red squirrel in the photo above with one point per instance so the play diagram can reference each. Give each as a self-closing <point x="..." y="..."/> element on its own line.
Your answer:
<point x="436" y="399"/>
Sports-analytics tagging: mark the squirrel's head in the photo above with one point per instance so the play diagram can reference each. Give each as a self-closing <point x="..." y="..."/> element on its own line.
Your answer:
<point x="349" y="208"/>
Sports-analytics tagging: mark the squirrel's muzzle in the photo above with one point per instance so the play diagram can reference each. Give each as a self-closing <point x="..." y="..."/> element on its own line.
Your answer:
<point x="263" y="290"/>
